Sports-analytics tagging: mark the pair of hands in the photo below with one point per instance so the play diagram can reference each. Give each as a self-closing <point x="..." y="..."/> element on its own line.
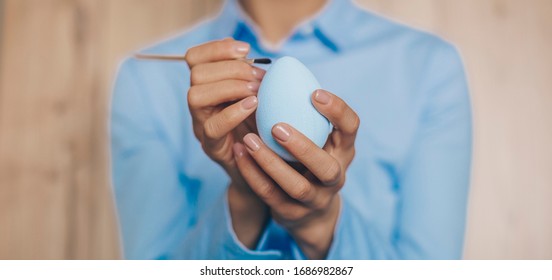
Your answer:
<point x="302" y="197"/>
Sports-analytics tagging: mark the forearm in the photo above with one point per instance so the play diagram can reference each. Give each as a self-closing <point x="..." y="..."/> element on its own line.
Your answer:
<point x="249" y="216"/>
<point x="315" y="237"/>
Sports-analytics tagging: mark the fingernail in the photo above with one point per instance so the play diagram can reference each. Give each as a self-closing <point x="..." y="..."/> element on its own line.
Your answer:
<point x="241" y="47"/>
<point x="258" y="73"/>
<point x="253" y="86"/>
<point x="252" y="142"/>
<point x="238" y="150"/>
<point x="282" y="132"/>
<point x="249" y="103"/>
<point x="322" y="96"/>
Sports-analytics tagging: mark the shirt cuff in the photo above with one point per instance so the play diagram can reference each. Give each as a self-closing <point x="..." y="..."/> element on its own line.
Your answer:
<point x="296" y="252"/>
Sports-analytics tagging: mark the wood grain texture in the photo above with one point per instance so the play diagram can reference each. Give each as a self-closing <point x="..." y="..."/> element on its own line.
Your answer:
<point x="506" y="49"/>
<point x="58" y="59"/>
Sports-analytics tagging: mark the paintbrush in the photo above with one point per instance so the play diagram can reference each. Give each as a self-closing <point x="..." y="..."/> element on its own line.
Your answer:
<point x="183" y="58"/>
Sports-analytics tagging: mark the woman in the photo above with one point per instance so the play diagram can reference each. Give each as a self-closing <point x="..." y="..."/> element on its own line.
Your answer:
<point x="194" y="181"/>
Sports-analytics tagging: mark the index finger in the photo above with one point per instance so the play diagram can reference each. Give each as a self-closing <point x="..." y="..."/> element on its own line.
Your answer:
<point x="293" y="183"/>
<point x="216" y="51"/>
<point x="324" y="167"/>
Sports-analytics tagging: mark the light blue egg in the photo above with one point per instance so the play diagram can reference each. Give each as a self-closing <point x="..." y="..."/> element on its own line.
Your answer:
<point x="285" y="96"/>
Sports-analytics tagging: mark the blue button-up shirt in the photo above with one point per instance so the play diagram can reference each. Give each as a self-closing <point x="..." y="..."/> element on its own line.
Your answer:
<point x="406" y="190"/>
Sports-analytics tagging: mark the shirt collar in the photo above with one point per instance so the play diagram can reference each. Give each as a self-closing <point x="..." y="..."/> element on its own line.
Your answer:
<point x="327" y="26"/>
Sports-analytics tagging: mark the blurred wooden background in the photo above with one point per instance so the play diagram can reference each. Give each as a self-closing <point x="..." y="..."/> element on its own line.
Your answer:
<point x="58" y="58"/>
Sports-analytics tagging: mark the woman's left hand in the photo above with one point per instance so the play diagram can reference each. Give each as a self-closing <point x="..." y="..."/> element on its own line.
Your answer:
<point x="303" y="200"/>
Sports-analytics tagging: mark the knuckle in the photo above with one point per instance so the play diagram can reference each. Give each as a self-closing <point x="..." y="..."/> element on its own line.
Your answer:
<point x="193" y="97"/>
<point x="341" y="109"/>
<point x="265" y="190"/>
<point x="302" y="190"/>
<point x="341" y="183"/>
<point x="219" y="153"/>
<point x="322" y="202"/>
<point x="195" y="75"/>
<point x="332" y="174"/>
<point x="221" y="48"/>
<point x="304" y="149"/>
<point x="211" y="129"/>
<point x="190" y="56"/>
<point x="355" y="122"/>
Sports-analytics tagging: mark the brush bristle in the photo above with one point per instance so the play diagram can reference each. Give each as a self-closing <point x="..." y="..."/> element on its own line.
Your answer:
<point x="262" y="60"/>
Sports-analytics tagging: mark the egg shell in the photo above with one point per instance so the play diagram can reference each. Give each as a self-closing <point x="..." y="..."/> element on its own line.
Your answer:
<point x="285" y="96"/>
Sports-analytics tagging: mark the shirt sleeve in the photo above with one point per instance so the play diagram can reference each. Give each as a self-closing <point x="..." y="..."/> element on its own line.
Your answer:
<point x="154" y="201"/>
<point x="433" y="181"/>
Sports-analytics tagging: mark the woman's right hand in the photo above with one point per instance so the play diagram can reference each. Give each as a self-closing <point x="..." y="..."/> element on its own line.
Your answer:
<point x="222" y="98"/>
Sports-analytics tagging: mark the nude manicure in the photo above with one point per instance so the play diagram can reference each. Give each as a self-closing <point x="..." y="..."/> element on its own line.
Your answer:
<point x="281" y="132"/>
<point x="253" y="86"/>
<point x="258" y="73"/>
<point x="238" y="150"/>
<point x="241" y="47"/>
<point x="252" y="142"/>
<point x="249" y="103"/>
<point x="322" y="97"/>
